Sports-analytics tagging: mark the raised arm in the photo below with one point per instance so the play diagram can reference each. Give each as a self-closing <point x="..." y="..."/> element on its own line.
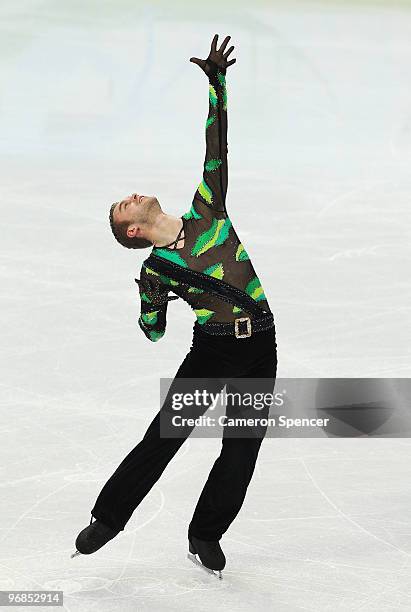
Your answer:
<point x="213" y="188"/>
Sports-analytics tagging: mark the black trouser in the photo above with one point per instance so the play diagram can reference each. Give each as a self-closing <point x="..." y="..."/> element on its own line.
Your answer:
<point x="224" y="492"/>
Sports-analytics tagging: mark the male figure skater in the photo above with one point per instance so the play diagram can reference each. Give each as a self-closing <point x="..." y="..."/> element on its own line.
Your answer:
<point x="200" y="258"/>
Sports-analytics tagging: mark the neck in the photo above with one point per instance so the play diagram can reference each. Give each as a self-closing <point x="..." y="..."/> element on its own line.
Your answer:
<point x="164" y="229"/>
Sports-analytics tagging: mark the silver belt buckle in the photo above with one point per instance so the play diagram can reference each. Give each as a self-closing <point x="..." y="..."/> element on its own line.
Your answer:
<point x="236" y="327"/>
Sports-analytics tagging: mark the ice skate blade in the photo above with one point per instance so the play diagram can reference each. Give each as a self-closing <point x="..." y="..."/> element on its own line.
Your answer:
<point x="196" y="561"/>
<point x="75" y="554"/>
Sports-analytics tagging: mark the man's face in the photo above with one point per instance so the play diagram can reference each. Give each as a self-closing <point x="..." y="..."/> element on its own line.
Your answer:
<point x="133" y="210"/>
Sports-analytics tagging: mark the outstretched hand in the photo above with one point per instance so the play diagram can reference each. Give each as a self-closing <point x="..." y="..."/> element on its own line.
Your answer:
<point x="216" y="58"/>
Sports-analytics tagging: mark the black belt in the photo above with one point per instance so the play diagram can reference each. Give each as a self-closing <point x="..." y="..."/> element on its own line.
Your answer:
<point x="243" y="327"/>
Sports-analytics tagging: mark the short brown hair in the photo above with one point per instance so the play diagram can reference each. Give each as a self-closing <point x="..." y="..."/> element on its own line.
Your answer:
<point x="120" y="233"/>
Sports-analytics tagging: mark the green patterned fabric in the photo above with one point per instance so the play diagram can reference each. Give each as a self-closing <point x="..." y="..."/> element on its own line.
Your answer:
<point x="168" y="281"/>
<point x="211" y="246"/>
<point x="213" y="96"/>
<point x="156" y="335"/>
<point x="151" y="334"/>
<point x="164" y="279"/>
<point x="150" y="318"/>
<point x="195" y="290"/>
<point x="170" y="256"/>
<point x="150" y="271"/>
<point x="255" y="290"/>
<point x="222" y="81"/>
<point x="203" y="315"/>
<point x="205" y="191"/>
<point x="216" y="270"/>
<point x="210" y="121"/>
<point x="213" y="164"/>
<point x="241" y="254"/>
<point x="192" y="214"/>
<point x="214" y="236"/>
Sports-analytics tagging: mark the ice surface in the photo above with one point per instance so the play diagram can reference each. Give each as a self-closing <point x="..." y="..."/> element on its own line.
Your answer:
<point x="99" y="100"/>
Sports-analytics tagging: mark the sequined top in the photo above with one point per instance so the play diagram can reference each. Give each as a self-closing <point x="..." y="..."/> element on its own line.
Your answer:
<point x="211" y="244"/>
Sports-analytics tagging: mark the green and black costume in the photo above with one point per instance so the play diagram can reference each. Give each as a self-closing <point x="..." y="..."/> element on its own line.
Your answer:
<point x="211" y="245"/>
